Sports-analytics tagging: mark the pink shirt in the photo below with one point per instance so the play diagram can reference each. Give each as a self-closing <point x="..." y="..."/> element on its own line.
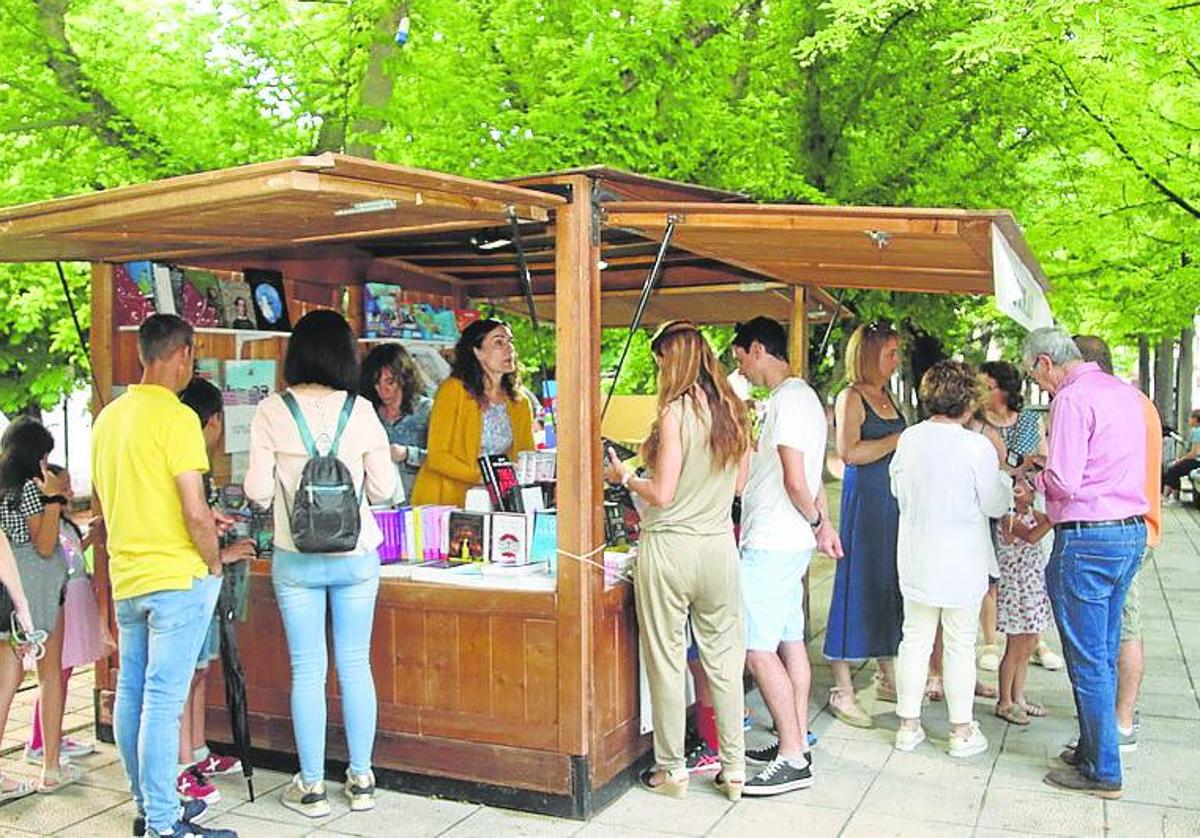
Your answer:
<point x="1096" y="469"/>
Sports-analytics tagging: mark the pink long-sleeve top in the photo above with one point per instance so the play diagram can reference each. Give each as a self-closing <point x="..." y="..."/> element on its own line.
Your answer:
<point x="1096" y="468"/>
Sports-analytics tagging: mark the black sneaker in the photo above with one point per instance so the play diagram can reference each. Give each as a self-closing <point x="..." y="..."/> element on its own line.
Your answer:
<point x="777" y="778"/>
<point x="194" y="811"/>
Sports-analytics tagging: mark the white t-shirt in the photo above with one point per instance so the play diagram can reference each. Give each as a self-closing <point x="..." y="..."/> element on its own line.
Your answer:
<point x="793" y="418"/>
<point x="948" y="483"/>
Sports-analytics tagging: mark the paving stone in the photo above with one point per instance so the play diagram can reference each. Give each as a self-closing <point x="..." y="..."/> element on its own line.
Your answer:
<point x="641" y="809"/>
<point x="1136" y="819"/>
<point x="46" y="814"/>
<point x="1045" y="813"/>
<point x="1162" y="773"/>
<point x="785" y="819"/>
<point x="247" y="827"/>
<point x="487" y="822"/>
<point x="929" y="786"/>
<point x="881" y="825"/>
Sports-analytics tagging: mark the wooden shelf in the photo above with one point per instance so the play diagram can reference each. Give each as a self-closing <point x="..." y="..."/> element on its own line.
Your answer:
<point x="221" y="330"/>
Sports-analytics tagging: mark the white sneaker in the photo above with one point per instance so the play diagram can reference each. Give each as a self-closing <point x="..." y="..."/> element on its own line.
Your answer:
<point x="307" y="799"/>
<point x="360" y="790"/>
<point x="1047" y="658"/>
<point x="907" y="740"/>
<point x="975" y="743"/>
<point x="989" y="657"/>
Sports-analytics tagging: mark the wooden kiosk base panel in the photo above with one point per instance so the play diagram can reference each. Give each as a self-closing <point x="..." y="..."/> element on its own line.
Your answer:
<point x="522" y="699"/>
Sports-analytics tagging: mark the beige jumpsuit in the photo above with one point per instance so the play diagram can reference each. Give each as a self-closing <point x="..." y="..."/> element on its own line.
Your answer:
<point x="688" y="566"/>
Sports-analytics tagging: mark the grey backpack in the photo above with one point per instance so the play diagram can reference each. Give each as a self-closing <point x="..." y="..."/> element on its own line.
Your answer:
<point x="324" y="517"/>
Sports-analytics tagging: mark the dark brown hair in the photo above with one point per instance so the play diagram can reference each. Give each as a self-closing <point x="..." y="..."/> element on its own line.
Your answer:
<point x="466" y="367"/>
<point x="394" y="357"/>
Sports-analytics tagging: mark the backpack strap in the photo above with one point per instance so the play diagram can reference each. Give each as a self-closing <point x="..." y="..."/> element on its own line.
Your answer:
<point x="347" y="409"/>
<point x="305" y="434"/>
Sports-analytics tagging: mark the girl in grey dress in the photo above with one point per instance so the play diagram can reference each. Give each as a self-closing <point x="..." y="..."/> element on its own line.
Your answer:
<point x="31" y="505"/>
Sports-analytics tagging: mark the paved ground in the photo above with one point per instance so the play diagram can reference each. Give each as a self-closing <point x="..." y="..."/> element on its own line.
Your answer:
<point x="863" y="787"/>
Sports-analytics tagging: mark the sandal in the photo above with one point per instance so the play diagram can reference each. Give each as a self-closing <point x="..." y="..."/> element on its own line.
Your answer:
<point x="732" y="785"/>
<point x="1033" y="709"/>
<point x="13" y="789"/>
<point x="933" y="688"/>
<point x="1014" y="714"/>
<point x="67" y="774"/>
<point x="986" y="690"/>
<point x="855" y="715"/>
<point x="668" y="783"/>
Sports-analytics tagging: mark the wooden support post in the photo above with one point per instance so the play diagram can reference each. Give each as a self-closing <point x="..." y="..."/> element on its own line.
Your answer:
<point x="103" y="340"/>
<point x="798" y="332"/>
<point x="580" y="494"/>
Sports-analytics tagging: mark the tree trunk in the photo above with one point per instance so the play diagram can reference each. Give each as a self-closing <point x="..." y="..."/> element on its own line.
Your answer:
<point x="1164" y="378"/>
<point x="376" y="92"/>
<point x="1144" y="364"/>
<point x="1186" y="371"/>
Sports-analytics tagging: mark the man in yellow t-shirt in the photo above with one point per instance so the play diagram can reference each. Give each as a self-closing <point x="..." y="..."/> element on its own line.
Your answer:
<point x="148" y="462"/>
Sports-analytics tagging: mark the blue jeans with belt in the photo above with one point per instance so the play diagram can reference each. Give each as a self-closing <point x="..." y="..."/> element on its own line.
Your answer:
<point x="160" y="635"/>
<point x="303" y="583"/>
<point x="1087" y="577"/>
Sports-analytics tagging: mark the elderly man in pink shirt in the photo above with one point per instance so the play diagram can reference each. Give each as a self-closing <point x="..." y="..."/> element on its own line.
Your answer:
<point x="1095" y="486"/>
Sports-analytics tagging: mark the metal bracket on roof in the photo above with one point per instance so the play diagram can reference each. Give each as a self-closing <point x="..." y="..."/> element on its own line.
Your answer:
<point x="643" y="301"/>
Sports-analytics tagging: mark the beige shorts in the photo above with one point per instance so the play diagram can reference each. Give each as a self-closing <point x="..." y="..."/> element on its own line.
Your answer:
<point x="1131" y="611"/>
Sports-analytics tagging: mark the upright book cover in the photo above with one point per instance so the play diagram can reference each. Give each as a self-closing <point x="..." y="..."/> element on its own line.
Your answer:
<point x="200" y="298"/>
<point x="379" y="310"/>
<point x="270" y="301"/>
<point x="510" y="538"/>
<point x="237" y="306"/>
<point x="133" y="288"/>
<point x="168" y="288"/>
<point x="469" y="536"/>
<point x="543" y="543"/>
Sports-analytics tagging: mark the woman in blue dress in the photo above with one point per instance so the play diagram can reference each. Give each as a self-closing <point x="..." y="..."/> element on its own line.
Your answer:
<point x="866" y="612"/>
<point x="394" y="385"/>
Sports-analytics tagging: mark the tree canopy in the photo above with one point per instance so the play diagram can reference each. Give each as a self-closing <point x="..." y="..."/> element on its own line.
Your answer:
<point x="1079" y="115"/>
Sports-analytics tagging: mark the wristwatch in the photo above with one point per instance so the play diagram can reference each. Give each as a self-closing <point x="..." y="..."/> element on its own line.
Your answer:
<point x="817" y="522"/>
<point x="49" y="499"/>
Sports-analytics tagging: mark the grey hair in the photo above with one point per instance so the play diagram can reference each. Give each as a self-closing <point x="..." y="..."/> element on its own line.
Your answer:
<point x="1053" y="342"/>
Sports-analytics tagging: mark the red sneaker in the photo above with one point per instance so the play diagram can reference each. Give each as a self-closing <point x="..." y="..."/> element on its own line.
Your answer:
<point x="192" y="785"/>
<point x="216" y="765"/>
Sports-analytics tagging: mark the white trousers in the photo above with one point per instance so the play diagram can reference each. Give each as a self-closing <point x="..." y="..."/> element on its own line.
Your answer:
<point x="959" y="626"/>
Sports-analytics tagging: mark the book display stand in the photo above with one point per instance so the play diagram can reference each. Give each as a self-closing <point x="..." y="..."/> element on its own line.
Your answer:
<point x="519" y="691"/>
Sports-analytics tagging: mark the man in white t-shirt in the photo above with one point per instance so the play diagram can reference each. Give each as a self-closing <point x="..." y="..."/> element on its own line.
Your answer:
<point x="784" y="518"/>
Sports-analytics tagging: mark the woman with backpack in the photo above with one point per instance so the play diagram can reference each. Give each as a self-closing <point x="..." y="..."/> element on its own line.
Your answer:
<point x="318" y="452"/>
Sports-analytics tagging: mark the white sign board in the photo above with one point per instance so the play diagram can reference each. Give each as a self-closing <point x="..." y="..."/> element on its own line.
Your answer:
<point x="1018" y="294"/>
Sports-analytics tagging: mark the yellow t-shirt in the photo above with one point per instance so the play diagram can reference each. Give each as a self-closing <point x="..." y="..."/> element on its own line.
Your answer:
<point x="140" y="443"/>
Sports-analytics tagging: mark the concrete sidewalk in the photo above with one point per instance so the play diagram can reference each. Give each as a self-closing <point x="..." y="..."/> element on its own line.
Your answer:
<point x="863" y="786"/>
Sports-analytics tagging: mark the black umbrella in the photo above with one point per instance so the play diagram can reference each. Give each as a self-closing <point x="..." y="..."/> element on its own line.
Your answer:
<point x="231" y="665"/>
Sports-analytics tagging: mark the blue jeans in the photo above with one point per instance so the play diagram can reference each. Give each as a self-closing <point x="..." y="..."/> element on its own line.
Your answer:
<point x="1087" y="577"/>
<point x="303" y="582"/>
<point x="160" y="636"/>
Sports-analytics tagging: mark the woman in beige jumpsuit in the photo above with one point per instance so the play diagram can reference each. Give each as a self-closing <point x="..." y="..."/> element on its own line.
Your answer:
<point x="697" y="455"/>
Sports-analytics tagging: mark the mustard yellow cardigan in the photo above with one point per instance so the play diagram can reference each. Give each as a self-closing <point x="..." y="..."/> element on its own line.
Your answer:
<point x="455" y="433"/>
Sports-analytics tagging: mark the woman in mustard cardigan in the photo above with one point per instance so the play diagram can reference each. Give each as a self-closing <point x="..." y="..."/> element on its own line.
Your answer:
<point x="479" y="409"/>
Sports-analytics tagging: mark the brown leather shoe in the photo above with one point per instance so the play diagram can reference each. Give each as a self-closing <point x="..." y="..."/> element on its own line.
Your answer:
<point x="1071" y="780"/>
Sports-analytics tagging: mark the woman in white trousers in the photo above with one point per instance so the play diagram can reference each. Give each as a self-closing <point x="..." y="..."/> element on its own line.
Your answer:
<point x="948" y="484"/>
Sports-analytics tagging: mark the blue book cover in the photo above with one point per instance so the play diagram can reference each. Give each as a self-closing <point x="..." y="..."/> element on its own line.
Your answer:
<point x="543" y="546"/>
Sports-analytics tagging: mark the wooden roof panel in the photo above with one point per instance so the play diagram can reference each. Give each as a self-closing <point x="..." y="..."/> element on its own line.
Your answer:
<point x="262" y="205"/>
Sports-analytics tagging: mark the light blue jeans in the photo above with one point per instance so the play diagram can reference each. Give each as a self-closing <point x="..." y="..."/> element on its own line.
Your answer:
<point x="303" y="582"/>
<point x="160" y="636"/>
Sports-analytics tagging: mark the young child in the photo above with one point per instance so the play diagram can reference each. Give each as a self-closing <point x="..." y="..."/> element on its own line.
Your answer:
<point x="196" y="762"/>
<point x="83" y="635"/>
<point x="1023" y="608"/>
<point x="16" y="611"/>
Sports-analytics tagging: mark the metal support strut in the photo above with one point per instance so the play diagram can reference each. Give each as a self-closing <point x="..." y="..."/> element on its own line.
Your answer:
<point x="643" y="301"/>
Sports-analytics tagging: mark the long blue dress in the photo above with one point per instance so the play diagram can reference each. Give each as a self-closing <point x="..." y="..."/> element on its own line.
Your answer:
<point x="866" y="613"/>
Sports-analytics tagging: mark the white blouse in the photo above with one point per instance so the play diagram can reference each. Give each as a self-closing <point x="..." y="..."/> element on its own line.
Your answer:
<point x="948" y="483"/>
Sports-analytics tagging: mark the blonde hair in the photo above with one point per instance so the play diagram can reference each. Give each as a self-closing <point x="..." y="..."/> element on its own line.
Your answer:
<point x="863" y="349"/>
<point x="685" y="360"/>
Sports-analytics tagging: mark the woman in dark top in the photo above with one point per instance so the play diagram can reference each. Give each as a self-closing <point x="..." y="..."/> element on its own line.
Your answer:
<point x="866" y="612"/>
